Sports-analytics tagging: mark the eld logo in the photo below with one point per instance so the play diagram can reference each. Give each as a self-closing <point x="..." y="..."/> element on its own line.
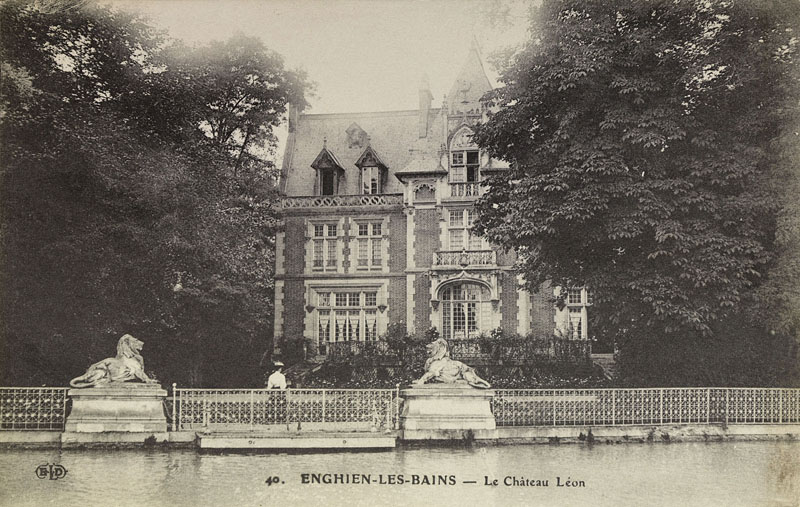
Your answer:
<point x="54" y="472"/>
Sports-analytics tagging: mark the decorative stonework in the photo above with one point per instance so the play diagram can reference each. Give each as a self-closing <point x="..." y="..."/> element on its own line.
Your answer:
<point x="462" y="139"/>
<point x="356" y="136"/>
<point x="327" y="201"/>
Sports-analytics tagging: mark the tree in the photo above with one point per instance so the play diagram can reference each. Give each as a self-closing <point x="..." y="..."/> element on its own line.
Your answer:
<point x="120" y="214"/>
<point x="640" y="135"/>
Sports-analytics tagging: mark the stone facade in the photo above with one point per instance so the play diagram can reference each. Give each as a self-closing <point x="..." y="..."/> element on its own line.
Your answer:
<point x="378" y="210"/>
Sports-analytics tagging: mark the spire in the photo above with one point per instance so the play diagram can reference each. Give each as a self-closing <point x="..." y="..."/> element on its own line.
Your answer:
<point x="471" y="83"/>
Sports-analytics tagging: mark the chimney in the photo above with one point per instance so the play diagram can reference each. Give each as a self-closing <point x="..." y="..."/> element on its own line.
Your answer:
<point x="425" y="98"/>
<point x="292" y="114"/>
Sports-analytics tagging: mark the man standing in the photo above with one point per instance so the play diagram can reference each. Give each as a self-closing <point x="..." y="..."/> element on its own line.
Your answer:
<point x="277" y="380"/>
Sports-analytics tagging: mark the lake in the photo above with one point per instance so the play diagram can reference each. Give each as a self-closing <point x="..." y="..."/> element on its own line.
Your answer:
<point x="683" y="474"/>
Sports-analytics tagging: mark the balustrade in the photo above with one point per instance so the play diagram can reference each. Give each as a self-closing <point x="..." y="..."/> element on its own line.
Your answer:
<point x="472" y="189"/>
<point x="323" y="201"/>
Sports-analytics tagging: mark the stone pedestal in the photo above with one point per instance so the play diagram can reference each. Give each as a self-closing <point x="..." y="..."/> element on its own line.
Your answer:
<point x="447" y="412"/>
<point x="116" y="413"/>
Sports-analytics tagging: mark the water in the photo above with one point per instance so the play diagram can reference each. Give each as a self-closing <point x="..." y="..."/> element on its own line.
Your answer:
<point x="682" y="474"/>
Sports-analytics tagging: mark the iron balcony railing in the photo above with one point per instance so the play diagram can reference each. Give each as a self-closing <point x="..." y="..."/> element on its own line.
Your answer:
<point x="32" y="408"/>
<point x="649" y="406"/>
<point x="328" y="201"/>
<point x="340" y="409"/>
<point x="465" y="258"/>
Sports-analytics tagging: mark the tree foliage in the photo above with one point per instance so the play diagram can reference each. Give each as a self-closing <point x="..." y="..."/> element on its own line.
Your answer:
<point x="121" y="211"/>
<point x="642" y="136"/>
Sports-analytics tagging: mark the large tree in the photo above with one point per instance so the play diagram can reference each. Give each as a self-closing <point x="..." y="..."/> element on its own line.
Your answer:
<point x="641" y="136"/>
<point x="121" y="211"/>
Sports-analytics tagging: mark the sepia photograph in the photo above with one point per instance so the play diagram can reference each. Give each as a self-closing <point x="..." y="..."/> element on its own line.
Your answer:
<point x="400" y="252"/>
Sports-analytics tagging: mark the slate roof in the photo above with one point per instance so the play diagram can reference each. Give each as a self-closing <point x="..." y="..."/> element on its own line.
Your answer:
<point x="391" y="133"/>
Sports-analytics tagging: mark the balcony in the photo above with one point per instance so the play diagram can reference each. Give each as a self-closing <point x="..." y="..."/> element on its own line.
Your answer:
<point x="465" y="258"/>
<point x="462" y="190"/>
<point x="333" y="201"/>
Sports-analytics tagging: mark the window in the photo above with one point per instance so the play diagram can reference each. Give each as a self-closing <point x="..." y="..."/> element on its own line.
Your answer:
<point x="460" y="231"/>
<point x="464" y="166"/>
<point x="327" y="184"/>
<point x="466" y="310"/>
<point x="578" y="300"/>
<point x="370" y="244"/>
<point x="346" y="316"/>
<point x="325" y="245"/>
<point x="370" y="180"/>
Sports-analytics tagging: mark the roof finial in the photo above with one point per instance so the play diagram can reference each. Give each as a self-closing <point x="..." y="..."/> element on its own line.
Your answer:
<point x="325" y="142"/>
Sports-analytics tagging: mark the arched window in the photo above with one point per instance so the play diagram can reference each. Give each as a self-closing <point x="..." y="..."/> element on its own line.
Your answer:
<point x="464" y="158"/>
<point x="466" y="310"/>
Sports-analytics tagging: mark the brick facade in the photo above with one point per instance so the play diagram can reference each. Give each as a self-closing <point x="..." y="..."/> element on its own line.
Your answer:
<point x="352" y="261"/>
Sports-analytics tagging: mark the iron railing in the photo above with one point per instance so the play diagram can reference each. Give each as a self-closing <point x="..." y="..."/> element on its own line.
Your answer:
<point x="523" y="351"/>
<point x="614" y="407"/>
<point x="336" y="409"/>
<point x="465" y="258"/>
<point x="321" y="201"/>
<point x="32" y="408"/>
<point x="343" y="351"/>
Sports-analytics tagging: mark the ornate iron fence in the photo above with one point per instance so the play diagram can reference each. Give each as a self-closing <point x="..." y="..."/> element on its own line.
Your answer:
<point x="351" y="409"/>
<point x="604" y="407"/>
<point x="32" y="408"/>
<point x="341" y="200"/>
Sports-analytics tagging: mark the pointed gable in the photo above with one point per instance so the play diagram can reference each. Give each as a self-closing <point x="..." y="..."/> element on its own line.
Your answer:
<point x="470" y="85"/>
<point x="326" y="159"/>
<point x="370" y="158"/>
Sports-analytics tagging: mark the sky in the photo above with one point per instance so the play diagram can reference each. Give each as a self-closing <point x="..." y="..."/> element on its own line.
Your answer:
<point x="362" y="55"/>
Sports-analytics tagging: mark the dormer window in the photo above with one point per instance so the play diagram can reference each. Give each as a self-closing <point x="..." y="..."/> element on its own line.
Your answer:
<point x="464" y="157"/>
<point x="372" y="171"/>
<point x="327" y="182"/>
<point x="329" y="171"/>
<point x="370" y="180"/>
<point x="464" y="166"/>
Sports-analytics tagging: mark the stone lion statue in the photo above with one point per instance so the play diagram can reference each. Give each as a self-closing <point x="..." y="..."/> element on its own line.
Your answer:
<point x="128" y="365"/>
<point x="440" y="368"/>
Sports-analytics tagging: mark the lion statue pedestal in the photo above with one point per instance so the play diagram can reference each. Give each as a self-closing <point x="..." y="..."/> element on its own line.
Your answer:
<point x="457" y="406"/>
<point x="109" y="409"/>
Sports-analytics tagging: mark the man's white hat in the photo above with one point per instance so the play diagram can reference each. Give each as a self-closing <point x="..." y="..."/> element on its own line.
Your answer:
<point x="277" y="363"/>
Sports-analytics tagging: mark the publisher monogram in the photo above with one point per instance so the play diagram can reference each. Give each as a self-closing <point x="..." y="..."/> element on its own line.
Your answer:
<point x="52" y="471"/>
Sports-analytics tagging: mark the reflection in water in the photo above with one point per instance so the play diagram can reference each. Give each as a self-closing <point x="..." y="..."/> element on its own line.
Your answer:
<point x="685" y="474"/>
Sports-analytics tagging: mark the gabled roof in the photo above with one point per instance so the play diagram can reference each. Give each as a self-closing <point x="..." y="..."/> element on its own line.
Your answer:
<point x="369" y="158"/>
<point x="326" y="159"/>
<point x="391" y="135"/>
